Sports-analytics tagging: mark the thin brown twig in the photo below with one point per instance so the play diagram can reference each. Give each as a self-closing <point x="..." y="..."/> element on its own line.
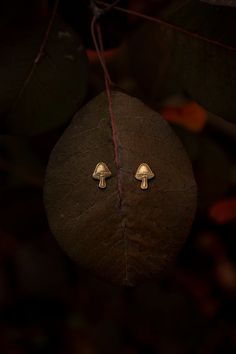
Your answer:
<point x="95" y="27"/>
<point x="110" y="106"/>
<point x="116" y="148"/>
<point x="108" y="7"/>
<point x="98" y="27"/>
<point x="169" y="25"/>
<point x="109" y="97"/>
<point x="39" y="54"/>
<point x="101" y="57"/>
<point x="45" y="39"/>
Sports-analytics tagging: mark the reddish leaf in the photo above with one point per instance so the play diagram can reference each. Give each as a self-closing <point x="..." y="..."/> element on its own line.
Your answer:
<point x="191" y="116"/>
<point x="108" y="55"/>
<point x="224" y="211"/>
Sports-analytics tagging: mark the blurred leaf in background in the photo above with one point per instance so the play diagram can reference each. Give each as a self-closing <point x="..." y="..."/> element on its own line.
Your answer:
<point x="43" y="74"/>
<point x="221" y="2"/>
<point x="184" y="52"/>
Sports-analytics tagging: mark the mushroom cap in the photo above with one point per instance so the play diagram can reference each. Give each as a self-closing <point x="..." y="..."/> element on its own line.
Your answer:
<point x="101" y="169"/>
<point x="144" y="171"/>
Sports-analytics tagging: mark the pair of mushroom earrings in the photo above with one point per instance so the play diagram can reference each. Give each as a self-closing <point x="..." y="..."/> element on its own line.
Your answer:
<point x="143" y="174"/>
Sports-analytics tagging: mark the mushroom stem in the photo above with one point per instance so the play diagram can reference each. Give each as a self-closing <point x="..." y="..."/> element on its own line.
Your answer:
<point x="144" y="184"/>
<point x="102" y="182"/>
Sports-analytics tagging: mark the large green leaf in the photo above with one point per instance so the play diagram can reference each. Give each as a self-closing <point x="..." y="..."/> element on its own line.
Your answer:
<point x="191" y="50"/>
<point x="44" y="100"/>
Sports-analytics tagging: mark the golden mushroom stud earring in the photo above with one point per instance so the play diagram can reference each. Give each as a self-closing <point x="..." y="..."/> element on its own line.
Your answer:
<point x="100" y="173"/>
<point x="143" y="174"/>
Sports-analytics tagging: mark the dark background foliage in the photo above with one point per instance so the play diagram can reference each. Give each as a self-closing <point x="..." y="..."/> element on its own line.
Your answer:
<point x="47" y="303"/>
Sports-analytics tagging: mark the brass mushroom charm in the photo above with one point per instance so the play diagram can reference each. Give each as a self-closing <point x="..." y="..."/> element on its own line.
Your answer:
<point x="101" y="172"/>
<point x="144" y="173"/>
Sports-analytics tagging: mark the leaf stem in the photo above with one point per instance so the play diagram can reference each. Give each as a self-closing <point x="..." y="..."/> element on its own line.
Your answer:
<point x="99" y="53"/>
<point x="108" y="83"/>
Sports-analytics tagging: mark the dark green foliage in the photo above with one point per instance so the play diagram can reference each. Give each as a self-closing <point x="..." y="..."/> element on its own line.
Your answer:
<point x="31" y="104"/>
<point x="192" y="51"/>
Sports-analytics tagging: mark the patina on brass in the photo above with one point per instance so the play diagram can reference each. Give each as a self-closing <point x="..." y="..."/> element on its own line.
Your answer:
<point x="100" y="173"/>
<point x="144" y="173"/>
